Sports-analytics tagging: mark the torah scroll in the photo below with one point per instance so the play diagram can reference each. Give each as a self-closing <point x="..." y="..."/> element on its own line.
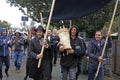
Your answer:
<point x="64" y="36"/>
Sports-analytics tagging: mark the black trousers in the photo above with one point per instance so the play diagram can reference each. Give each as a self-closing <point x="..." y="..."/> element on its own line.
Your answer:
<point x="55" y="53"/>
<point x="4" y="59"/>
<point x="27" y="68"/>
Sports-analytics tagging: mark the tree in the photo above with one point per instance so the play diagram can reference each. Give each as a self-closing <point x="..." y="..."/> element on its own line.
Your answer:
<point x="33" y="7"/>
<point x="98" y="20"/>
<point x="89" y="24"/>
<point x="5" y="24"/>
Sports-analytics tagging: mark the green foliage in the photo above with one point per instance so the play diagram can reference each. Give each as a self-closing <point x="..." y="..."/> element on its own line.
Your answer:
<point x="5" y="24"/>
<point x="34" y="7"/>
<point x="89" y="24"/>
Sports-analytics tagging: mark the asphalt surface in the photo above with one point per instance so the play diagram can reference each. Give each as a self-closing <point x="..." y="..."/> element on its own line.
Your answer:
<point x="13" y="75"/>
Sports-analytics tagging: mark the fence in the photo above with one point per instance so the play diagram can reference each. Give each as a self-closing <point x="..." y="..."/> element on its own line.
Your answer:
<point x="116" y="57"/>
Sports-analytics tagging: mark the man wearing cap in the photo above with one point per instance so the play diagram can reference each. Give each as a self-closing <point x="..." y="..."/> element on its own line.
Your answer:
<point x="18" y="47"/>
<point x="44" y="72"/>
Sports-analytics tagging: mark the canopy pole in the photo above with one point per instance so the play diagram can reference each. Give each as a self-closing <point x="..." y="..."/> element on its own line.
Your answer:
<point x="110" y="26"/>
<point x="70" y="21"/>
<point x="41" y="19"/>
<point x="48" y="24"/>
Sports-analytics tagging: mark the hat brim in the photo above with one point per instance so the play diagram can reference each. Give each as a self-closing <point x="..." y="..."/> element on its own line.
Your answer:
<point x="40" y="29"/>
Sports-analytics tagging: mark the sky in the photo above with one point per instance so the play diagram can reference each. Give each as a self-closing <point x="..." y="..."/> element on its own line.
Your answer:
<point x="10" y="14"/>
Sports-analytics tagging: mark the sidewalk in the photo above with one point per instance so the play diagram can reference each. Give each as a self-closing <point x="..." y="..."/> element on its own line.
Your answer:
<point x="115" y="77"/>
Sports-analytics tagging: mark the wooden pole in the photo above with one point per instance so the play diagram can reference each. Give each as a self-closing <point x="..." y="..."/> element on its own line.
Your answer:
<point x="41" y="18"/>
<point x="63" y="24"/>
<point x="110" y="26"/>
<point x="48" y="24"/>
<point x="70" y="23"/>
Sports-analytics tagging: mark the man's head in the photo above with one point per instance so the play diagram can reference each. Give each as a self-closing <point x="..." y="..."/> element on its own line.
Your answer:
<point x="54" y="31"/>
<point x="3" y="31"/>
<point x="49" y="32"/>
<point x="98" y="35"/>
<point x="32" y="30"/>
<point x="39" y="31"/>
<point x="17" y="33"/>
<point x="74" y="30"/>
<point x="10" y="32"/>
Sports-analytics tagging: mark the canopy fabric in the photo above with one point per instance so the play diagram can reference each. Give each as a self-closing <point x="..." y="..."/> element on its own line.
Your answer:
<point x="72" y="9"/>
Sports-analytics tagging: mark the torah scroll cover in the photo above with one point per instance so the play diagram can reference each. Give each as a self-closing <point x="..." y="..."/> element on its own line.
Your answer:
<point x="64" y="35"/>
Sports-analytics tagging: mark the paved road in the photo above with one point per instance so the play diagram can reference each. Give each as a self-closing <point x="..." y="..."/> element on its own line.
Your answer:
<point x="13" y="75"/>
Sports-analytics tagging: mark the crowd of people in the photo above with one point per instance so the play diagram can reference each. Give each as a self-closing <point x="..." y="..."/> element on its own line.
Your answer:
<point x="15" y="45"/>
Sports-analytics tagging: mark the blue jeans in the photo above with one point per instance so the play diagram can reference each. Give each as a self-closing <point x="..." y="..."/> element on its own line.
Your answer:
<point x="69" y="72"/>
<point x="18" y="59"/>
<point x="92" y="72"/>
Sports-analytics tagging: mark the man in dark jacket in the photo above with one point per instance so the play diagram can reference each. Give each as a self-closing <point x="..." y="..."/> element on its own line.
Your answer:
<point x="4" y="51"/>
<point x="27" y="39"/>
<point x="94" y="51"/>
<point x="44" y="72"/>
<point x="56" y="40"/>
<point x="70" y="57"/>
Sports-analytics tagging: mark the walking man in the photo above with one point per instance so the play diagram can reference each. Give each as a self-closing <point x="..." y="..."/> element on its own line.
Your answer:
<point x="4" y="51"/>
<point x="94" y="50"/>
<point x="44" y="72"/>
<point x="70" y="57"/>
<point x="18" y="47"/>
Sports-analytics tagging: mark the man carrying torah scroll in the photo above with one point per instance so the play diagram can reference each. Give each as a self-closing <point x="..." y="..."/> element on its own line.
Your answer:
<point x="70" y="56"/>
